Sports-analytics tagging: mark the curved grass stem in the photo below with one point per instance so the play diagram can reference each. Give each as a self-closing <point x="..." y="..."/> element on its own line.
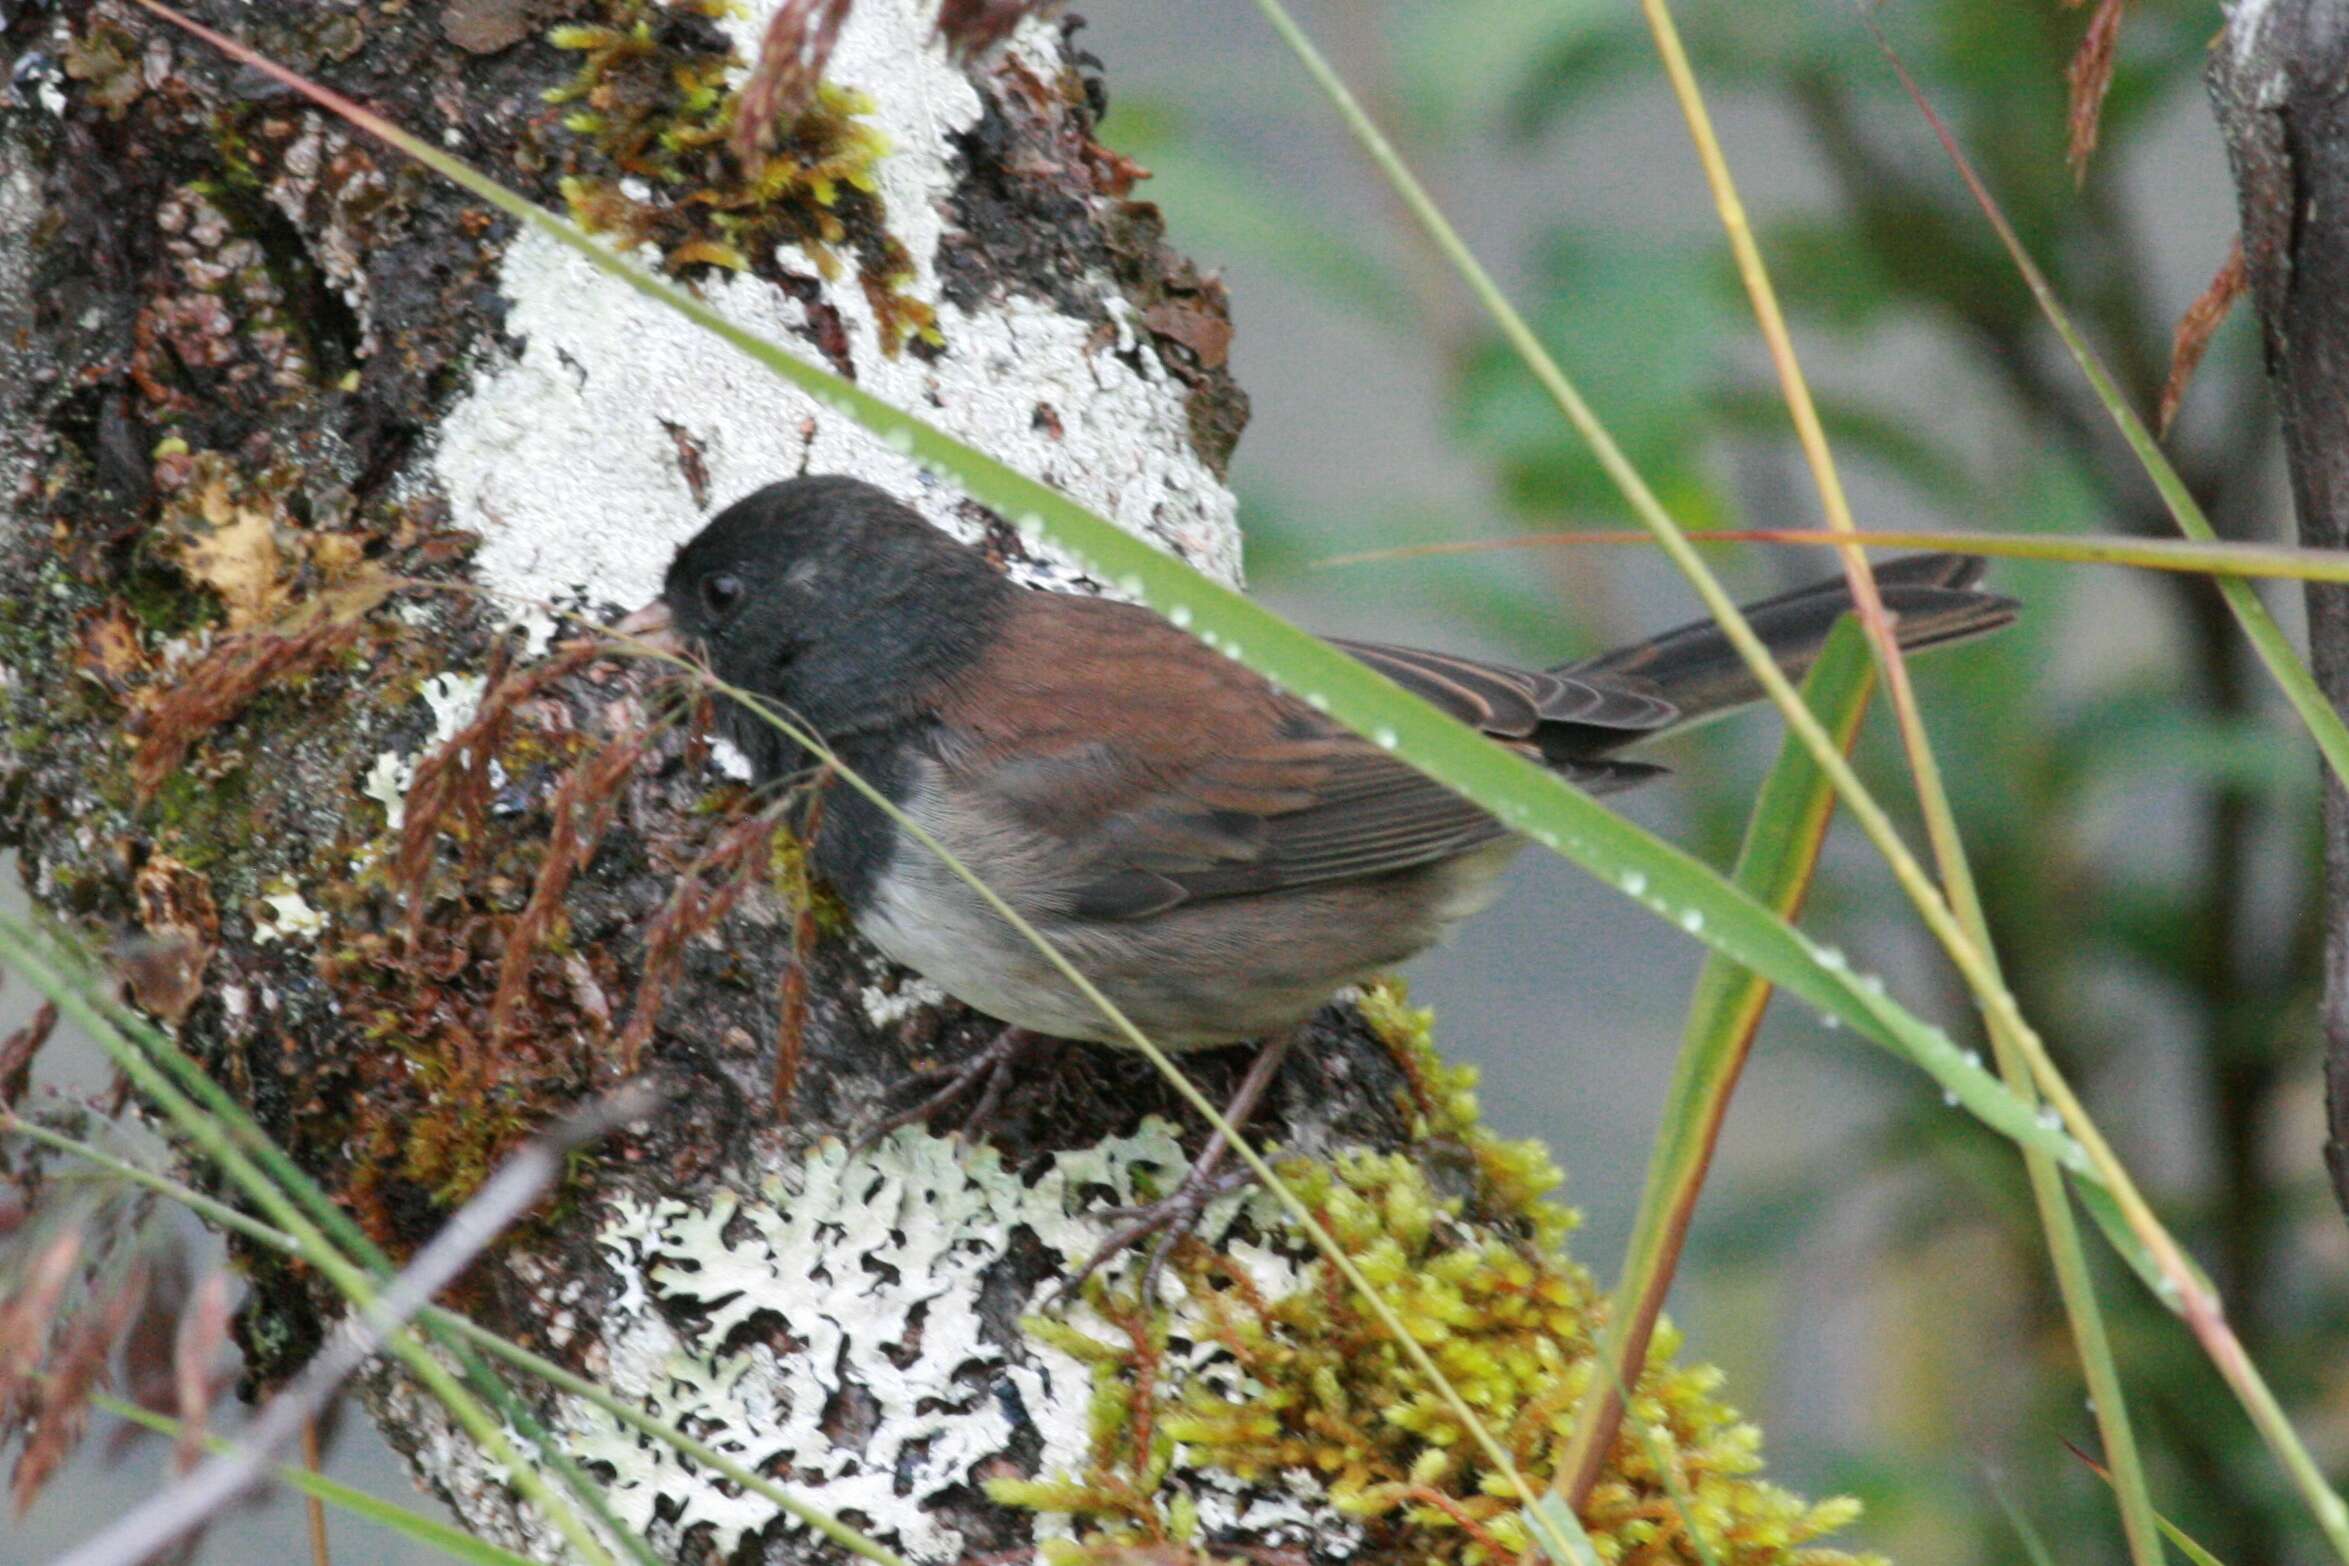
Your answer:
<point x="2074" y="1282"/>
<point x="2184" y="1288"/>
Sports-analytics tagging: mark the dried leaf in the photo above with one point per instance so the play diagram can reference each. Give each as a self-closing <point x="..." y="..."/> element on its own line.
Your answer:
<point x="2195" y="329"/>
<point x="2090" y="75"/>
<point x="1205" y="332"/>
<point x="149" y="1379"/>
<point x="972" y="27"/>
<point x="165" y="966"/>
<point x="25" y="1318"/>
<point x="64" y="1412"/>
<point x="17" y="1052"/>
<point x="487" y="26"/>
<point x="203" y="1328"/>
<point x="109" y="649"/>
<point x="792" y="56"/>
<point x="236" y="557"/>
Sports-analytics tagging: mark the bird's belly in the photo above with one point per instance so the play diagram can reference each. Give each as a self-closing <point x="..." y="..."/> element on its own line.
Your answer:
<point x="1205" y="973"/>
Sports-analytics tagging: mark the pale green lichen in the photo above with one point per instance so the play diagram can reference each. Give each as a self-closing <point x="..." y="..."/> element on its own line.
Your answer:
<point x="1312" y="1386"/>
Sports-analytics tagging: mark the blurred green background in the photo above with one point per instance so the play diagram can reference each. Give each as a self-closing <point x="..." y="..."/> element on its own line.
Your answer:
<point x="1866" y="1265"/>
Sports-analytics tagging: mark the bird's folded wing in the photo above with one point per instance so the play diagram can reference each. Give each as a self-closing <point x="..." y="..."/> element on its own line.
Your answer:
<point x="1220" y="786"/>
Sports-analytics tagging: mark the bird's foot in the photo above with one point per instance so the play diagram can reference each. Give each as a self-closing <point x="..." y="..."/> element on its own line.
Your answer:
<point x="1171" y="1219"/>
<point x="1176" y="1216"/>
<point x="991" y="1072"/>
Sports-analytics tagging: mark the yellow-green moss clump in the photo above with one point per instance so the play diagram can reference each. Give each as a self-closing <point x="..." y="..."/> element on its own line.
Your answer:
<point x="1460" y="1236"/>
<point x="651" y="98"/>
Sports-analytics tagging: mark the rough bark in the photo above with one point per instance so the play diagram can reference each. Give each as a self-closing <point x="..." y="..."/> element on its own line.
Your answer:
<point x="2276" y="79"/>
<point x="297" y="445"/>
<point x="248" y="358"/>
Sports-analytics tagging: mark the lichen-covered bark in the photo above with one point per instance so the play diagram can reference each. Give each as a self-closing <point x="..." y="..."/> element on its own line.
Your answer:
<point x="301" y="452"/>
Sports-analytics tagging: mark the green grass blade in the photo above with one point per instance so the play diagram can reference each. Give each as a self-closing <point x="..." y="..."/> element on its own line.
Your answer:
<point x="2187" y="556"/>
<point x="67" y="984"/>
<point x="1661" y="878"/>
<point x="1782" y="841"/>
<point x="1560" y="1518"/>
<point x="350" y="1258"/>
<point x="2284" y="665"/>
<point x="431" y="1532"/>
<point x="2187" y="1545"/>
<point x="2034" y="1546"/>
<point x="223" y="1216"/>
<point x="2184" y="1289"/>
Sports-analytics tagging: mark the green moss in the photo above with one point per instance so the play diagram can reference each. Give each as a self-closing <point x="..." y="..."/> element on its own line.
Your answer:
<point x="204" y="822"/>
<point x="650" y="102"/>
<point x="165" y="602"/>
<point x="792" y="873"/>
<point x="1475" y="1269"/>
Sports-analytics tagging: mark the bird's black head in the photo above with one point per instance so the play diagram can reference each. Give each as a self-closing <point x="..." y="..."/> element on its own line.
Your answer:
<point x="836" y="603"/>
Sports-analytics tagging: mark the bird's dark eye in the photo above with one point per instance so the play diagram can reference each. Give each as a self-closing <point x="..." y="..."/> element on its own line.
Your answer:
<point x="721" y="592"/>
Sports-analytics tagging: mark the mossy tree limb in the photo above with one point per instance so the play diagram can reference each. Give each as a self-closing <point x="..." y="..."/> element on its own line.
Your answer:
<point x="277" y="412"/>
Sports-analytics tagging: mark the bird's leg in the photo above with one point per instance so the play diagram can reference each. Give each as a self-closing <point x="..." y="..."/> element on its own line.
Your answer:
<point x="1174" y="1216"/>
<point x="991" y="1070"/>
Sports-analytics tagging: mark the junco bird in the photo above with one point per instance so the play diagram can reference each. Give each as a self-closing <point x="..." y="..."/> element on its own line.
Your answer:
<point x="1216" y="855"/>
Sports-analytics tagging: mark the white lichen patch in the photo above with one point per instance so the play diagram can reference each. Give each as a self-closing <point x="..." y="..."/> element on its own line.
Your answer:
<point x="291" y="918"/>
<point x="565" y="455"/>
<point x="454" y="699"/>
<point x="829" y="1330"/>
<point x="888" y="1008"/>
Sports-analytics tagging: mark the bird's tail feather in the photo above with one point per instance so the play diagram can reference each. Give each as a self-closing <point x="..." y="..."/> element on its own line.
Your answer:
<point x="1932" y="597"/>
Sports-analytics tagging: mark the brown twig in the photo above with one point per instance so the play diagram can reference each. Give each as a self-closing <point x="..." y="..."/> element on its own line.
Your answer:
<point x="450" y="792"/>
<point x="584" y="805"/>
<point x="218" y="686"/>
<point x="706" y="893"/>
<point x="313" y="1503"/>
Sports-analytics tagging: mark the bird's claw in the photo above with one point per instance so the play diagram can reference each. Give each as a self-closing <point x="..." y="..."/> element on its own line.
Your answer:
<point x="1171" y="1218"/>
<point x="991" y="1071"/>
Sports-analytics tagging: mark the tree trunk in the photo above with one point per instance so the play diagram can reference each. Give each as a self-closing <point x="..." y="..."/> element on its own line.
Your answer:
<point x="300" y="446"/>
<point x="2275" y="79"/>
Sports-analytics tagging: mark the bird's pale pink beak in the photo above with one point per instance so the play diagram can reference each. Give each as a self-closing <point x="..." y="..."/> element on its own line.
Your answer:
<point x="654" y="628"/>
